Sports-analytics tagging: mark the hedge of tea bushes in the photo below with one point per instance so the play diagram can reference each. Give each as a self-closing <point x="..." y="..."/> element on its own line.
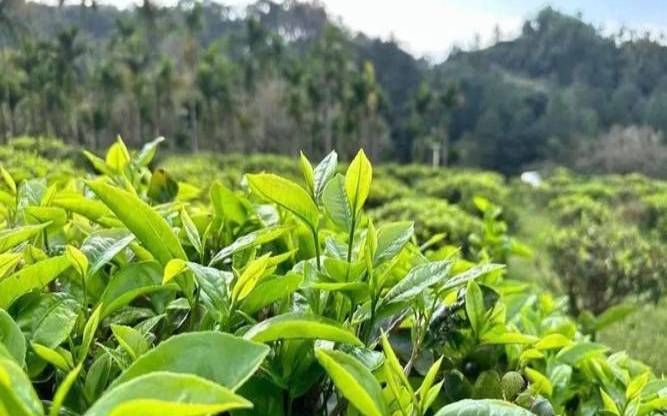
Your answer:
<point x="121" y="294"/>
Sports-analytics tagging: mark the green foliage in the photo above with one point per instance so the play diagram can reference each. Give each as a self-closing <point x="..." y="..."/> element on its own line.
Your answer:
<point x="282" y="299"/>
<point x="602" y="264"/>
<point x="637" y="333"/>
<point x="215" y="81"/>
<point x="461" y="187"/>
<point x="431" y="217"/>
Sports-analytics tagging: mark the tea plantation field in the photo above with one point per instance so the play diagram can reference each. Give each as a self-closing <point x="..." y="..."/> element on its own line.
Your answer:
<point x="135" y="282"/>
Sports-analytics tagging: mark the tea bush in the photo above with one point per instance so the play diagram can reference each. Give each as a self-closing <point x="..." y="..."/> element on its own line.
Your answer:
<point x="432" y="216"/>
<point x="601" y="264"/>
<point x="122" y="294"/>
<point x="573" y="209"/>
<point x="20" y="158"/>
<point x="461" y="187"/>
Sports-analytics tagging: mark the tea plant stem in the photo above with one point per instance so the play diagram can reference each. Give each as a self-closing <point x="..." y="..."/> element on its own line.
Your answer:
<point x="85" y="296"/>
<point x="316" y="237"/>
<point x="289" y="399"/>
<point x="193" y="314"/>
<point x="351" y="239"/>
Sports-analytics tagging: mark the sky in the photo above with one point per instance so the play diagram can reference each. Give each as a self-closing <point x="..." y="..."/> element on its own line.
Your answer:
<point x="430" y="28"/>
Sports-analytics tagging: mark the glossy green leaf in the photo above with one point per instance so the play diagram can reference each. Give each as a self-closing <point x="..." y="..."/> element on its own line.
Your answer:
<point x="164" y="393"/>
<point x="132" y="341"/>
<point x="553" y="341"/>
<point x="608" y="403"/>
<point x="336" y="203"/>
<point x="102" y="246"/>
<point x="12" y="337"/>
<point x="97" y="377"/>
<point x="78" y="260"/>
<point x="358" y="181"/>
<point x="130" y="282"/>
<point x="539" y="383"/>
<point x="11" y="237"/>
<point x="471" y="274"/>
<point x="92" y="324"/>
<point x="298" y="325"/>
<point x="250" y="276"/>
<point x="118" y="157"/>
<point x="98" y="163"/>
<point x="475" y="306"/>
<point x="51" y="319"/>
<point x="147" y="152"/>
<point x="53" y="356"/>
<point x="307" y="171"/>
<point x="391" y="238"/>
<point x="417" y="280"/>
<point x="191" y="231"/>
<point x="574" y="354"/>
<point x="8" y="179"/>
<point x="286" y="194"/>
<point x="162" y="187"/>
<point x="92" y="209"/>
<point x="63" y="390"/>
<point x="249" y="240"/>
<point x="393" y="367"/>
<point x="17" y="396"/>
<point x="324" y="171"/>
<point x="8" y="262"/>
<point x="34" y="276"/>
<point x="487" y="407"/>
<point x="355" y="382"/>
<point x="54" y="217"/>
<point x="636" y="386"/>
<point x="271" y="290"/>
<point x="143" y="221"/>
<point x="235" y="360"/>
<point x="226" y="204"/>
<point x="214" y="284"/>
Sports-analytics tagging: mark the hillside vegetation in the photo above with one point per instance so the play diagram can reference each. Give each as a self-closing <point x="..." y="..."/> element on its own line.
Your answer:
<point x="279" y="78"/>
<point x="206" y="285"/>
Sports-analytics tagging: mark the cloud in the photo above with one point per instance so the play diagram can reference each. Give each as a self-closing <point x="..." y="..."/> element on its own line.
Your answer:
<point x="425" y="27"/>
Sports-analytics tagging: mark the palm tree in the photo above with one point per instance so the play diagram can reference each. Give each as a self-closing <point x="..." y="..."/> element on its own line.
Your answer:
<point x="192" y="14"/>
<point x="11" y="29"/>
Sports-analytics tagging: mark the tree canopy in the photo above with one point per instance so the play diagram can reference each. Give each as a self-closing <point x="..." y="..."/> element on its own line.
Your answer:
<point x="284" y="77"/>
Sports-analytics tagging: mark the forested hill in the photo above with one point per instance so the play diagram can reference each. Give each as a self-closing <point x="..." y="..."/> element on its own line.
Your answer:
<point x="277" y="78"/>
<point x="555" y="89"/>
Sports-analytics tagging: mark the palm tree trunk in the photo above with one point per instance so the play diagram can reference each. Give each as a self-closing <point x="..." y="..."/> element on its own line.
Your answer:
<point x="193" y="125"/>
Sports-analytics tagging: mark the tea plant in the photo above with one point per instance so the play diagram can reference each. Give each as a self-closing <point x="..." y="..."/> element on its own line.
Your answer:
<point x="129" y="294"/>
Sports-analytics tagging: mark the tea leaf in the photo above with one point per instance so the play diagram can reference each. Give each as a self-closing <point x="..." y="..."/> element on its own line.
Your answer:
<point x="226" y="204"/>
<point x="192" y="353"/>
<point x="300" y="326"/>
<point x="12" y="337"/>
<point x="358" y="181"/>
<point x="417" y="280"/>
<point x="354" y="381"/>
<point x="336" y="203"/>
<point x="17" y="397"/>
<point x="63" y="389"/>
<point x="31" y="277"/>
<point x="286" y="194"/>
<point x="324" y="171"/>
<point x="475" y="306"/>
<point x="165" y="393"/>
<point x="391" y="238"/>
<point x="486" y="407"/>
